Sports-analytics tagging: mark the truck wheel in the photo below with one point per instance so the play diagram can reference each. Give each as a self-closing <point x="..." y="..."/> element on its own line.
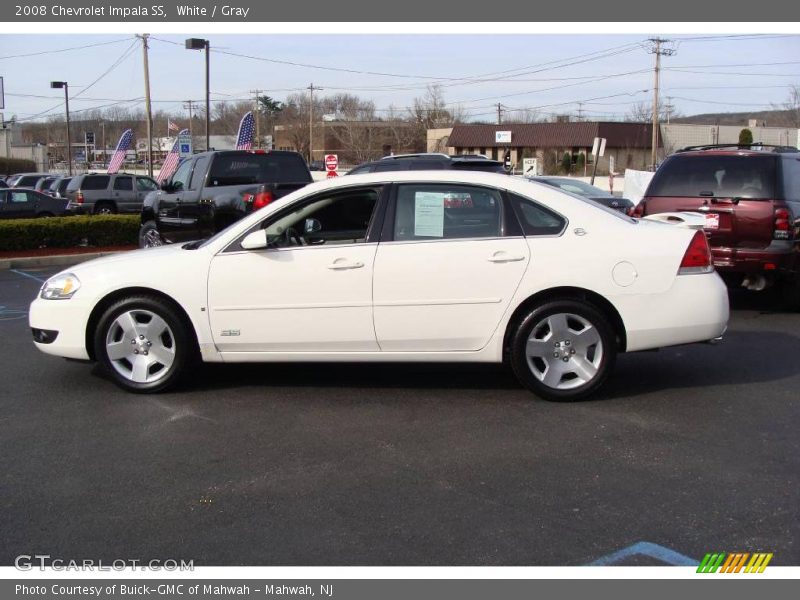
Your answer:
<point x="149" y="236"/>
<point x="790" y="293"/>
<point x="105" y="208"/>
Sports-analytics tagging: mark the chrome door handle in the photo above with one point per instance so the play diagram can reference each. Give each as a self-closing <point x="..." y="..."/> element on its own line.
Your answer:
<point x="341" y="264"/>
<point x="502" y="257"/>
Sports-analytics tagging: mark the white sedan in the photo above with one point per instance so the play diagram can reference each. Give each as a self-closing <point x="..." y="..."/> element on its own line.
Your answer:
<point x="403" y="266"/>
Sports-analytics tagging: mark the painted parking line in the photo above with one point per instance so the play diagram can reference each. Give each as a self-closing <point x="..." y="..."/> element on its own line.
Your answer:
<point x="660" y="553"/>
<point x="28" y="275"/>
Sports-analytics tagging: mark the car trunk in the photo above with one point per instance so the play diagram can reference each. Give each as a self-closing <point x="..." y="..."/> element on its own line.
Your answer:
<point x="733" y="191"/>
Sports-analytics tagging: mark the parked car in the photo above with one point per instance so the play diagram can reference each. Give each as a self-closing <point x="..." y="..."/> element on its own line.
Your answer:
<point x="379" y="268"/>
<point x="44" y="183"/>
<point x="26" y="180"/>
<point x="316" y="165"/>
<point x="751" y="200"/>
<point x="429" y="161"/>
<point x="23" y="203"/>
<point x="576" y="186"/>
<point x="211" y="190"/>
<point x="3" y="183"/>
<point x="58" y="188"/>
<point x="102" y="193"/>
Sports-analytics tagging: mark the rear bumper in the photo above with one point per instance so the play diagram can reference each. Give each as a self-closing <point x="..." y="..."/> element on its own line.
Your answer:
<point x="73" y="208"/>
<point x="778" y="258"/>
<point x="694" y="310"/>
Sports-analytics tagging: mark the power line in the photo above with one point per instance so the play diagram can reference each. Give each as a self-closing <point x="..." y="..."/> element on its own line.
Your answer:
<point x="64" y="49"/>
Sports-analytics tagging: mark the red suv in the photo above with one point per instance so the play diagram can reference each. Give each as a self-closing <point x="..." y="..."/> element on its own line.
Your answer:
<point x="751" y="198"/>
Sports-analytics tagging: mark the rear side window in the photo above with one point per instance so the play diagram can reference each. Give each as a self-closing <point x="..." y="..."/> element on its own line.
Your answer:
<point x="123" y="183"/>
<point x="28" y="180"/>
<point x="198" y="173"/>
<point x="715" y="176"/>
<point x="535" y="218"/>
<point x="95" y="182"/>
<point x="245" y="169"/>
<point x="486" y="166"/>
<point x="436" y="211"/>
<point x="791" y="179"/>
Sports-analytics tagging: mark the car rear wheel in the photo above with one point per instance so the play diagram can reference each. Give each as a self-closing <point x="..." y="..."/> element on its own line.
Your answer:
<point x="563" y="350"/>
<point x="143" y="344"/>
<point x="149" y="237"/>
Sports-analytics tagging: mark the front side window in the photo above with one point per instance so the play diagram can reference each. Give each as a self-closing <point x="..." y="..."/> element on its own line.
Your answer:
<point x="330" y="219"/>
<point x="438" y="211"/>
<point x="145" y="184"/>
<point x="180" y="180"/>
<point x="123" y="183"/>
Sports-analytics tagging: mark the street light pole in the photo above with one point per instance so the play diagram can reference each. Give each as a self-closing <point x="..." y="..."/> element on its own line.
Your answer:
<point x="57" y="85"/>
<point x="148" y="106"/>
<point x="201" y="44"/>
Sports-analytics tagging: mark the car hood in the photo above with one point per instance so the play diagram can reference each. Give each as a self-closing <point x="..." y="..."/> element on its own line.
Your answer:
<point x="134" y="265"/>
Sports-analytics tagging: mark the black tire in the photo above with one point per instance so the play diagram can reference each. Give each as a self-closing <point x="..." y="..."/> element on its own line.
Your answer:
<point x="44" y="215"/>
<point x="575" y="352"/>
<point x="789" y="292"/>
<point x="149" y="237"/>
<point x="176" y="338"/>
<point x="105" y="208"/>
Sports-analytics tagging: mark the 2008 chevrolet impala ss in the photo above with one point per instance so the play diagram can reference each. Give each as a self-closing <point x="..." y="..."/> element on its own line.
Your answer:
<point x="405" y="266"/>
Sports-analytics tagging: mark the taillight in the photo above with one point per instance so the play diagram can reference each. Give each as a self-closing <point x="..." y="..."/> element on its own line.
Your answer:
<point x="697" y="258"/>
<point x="638" y="210"/>
<point x="260" y="199"/>
<point x="782" y="228"/>
<point x="79" y="197"/>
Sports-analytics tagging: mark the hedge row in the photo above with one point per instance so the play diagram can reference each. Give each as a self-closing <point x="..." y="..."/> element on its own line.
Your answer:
<point x="9" y="166"/>
<point x="69" y="232"/>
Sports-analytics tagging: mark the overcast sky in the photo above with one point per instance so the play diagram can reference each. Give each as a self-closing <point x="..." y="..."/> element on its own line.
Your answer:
<point x="608" y="72"/>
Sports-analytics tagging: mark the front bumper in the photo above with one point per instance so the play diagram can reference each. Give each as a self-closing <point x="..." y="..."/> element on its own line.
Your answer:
<point x="66" y="317"/>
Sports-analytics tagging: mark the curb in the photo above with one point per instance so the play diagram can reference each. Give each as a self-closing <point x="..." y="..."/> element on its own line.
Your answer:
<point x="24" y="262"/>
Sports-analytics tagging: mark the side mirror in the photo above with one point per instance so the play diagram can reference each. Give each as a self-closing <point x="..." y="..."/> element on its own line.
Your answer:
<point x="255" y="241"/>
<point x="312" y="226"/>
<point x="166" y="186"/>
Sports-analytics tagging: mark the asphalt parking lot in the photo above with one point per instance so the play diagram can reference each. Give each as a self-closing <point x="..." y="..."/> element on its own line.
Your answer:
<point x="688" y="450"/>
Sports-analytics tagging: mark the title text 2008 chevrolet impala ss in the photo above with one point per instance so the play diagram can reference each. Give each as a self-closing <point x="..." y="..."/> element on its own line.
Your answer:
<point x="404" y="266"/>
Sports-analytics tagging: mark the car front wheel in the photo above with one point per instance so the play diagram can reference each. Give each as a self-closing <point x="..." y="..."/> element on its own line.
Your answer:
<point x="563" y="350"/>
<point x="143" y="344"/>
<point x="149" y="237"/>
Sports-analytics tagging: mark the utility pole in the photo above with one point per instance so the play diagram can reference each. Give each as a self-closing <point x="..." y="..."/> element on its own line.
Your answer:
<point x="148" y="108"/>
<point x="580" y="111"/>
<point x="190" y="105"/>
<point x="659" y="50"/>
<point x="257" y="94"/>
<point x="499" y="114"/>
<point x="668" y="107"/>
<point x="311" y="89"/>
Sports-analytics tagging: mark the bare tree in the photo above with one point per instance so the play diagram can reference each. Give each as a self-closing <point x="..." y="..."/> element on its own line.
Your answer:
<point x="525" y="115"/>
<point x="790" y="108"/>
<point x="430" y="112"/>
<point x="642" y="112"/>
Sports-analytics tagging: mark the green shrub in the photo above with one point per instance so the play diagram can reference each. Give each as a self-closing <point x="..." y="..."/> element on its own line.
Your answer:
<point x="9" y="166"/>
<point x="745" y="137"/>
<point x="69" y="232"/>
<point x="566" y="163"/>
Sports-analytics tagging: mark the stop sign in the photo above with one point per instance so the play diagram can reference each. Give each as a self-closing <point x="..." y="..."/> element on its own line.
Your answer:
<point x="331" y="162"/>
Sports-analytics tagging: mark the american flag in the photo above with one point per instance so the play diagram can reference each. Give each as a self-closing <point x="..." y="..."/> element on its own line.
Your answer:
<point x="122" y="149"/>
<point x="171" y="126"/>
<point x="172" y="159"/>
<point x="244" y="141"/>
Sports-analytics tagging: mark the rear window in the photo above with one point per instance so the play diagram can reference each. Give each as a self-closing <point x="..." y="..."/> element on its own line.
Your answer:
<point x="715" y="176"/>
<point x="244" y="169"/>
<point x="94" y="182"/>
<point x="479" y="165"/>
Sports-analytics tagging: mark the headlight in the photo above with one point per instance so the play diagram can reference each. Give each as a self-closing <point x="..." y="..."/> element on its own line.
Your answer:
<point x="60" y="287"/>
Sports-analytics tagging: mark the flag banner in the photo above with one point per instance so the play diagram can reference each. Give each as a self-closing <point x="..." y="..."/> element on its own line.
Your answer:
<point x="172" y="126"/>
<point x="123" y="146"/>
<point x="172" y="159"/>
<point x="247" y="127"/>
